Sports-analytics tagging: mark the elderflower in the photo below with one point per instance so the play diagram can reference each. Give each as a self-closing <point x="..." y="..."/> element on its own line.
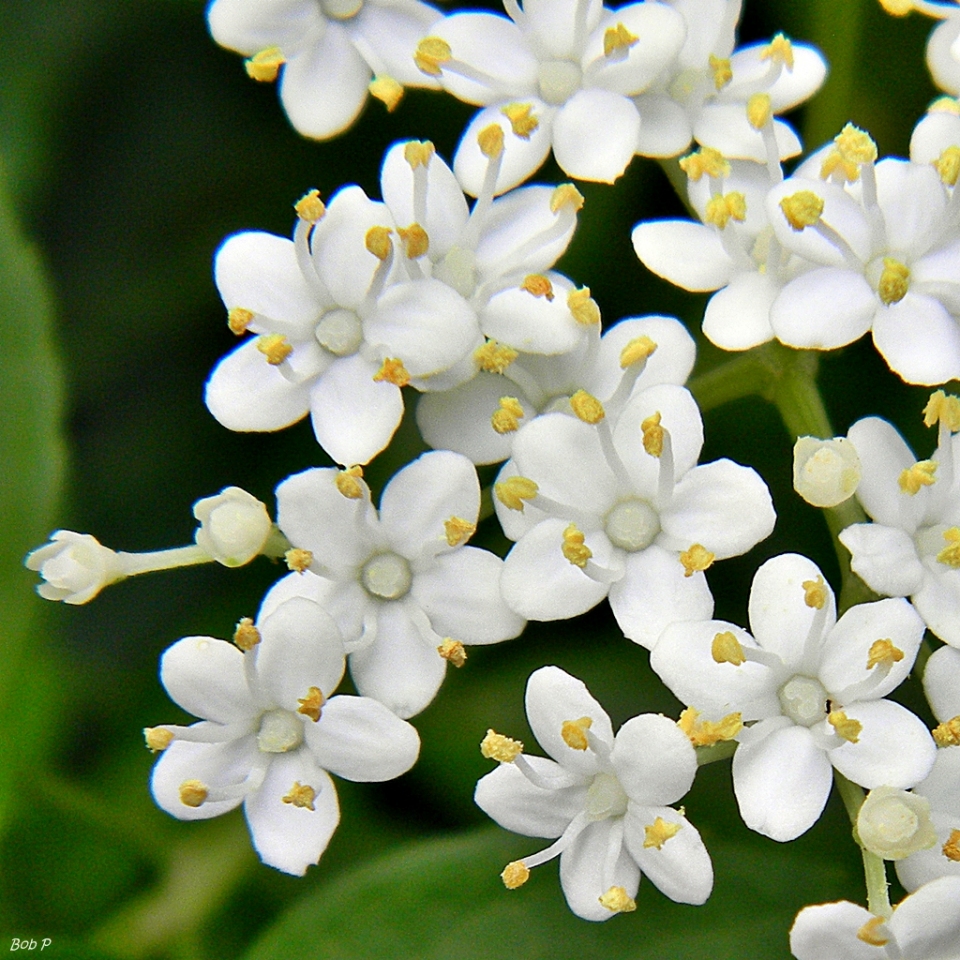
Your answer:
<point x="234" y="526"/>
<point x="75" y="567"/>
<point x="825" y="472"/>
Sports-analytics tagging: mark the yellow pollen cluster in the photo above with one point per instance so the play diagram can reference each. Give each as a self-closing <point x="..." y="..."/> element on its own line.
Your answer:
<point x="706" y="733"/>
<point x="495" y="746"/>
<point x="490" y="141"/>
<point x="653" y="435"/>
<point x="722" y="71"/>
<point x="587" y="407"/>
<point x="948" y="166"/>
<point x="883" y="652"/>
<point x="815" y="592"/>
<point x="566" y="194"/>
<point x="897" y="8"/>
<point x="506" y="418"/>
<point x="696" y="559"/>
<point x="418" y="153"/>
<point x="921" y="474"/>
<point x="950" y="554"/>
<point x="636" y="351"/>
<point x="574" y="733"/>
<point x="538" y="285"/>
<point x="942" y="407"/>
<point x="193" y="793"/>
<point x="759" y="110"/>
<point x="415" y="240"/>
<point x="726" y="648"/>
<point x="522" y="119"/>
<point x="377" y="241"/>
<point x="432" y="53"/>
<point x="265" y="65"/>
<point x="947" y="734"/>
<point x="494" y="357"/>
<point x="616" y="900"/>
<point x="894" y="281"/>
<point x="854" y="147"/>
<point x="348" y="483"/>
<point x="656" y="834"/>
<point x="312" y="704"/>
<point x="707" y="161"/>
<point x="618" y="40"/>
<point x="574" y="548"/>
<point x="583" y="307"/>
<point x="515" y="874"/>
<point x="275" y="347"/>
<point x="951" y="849"/>
<point x="802" y="209"/>
<point x="246" y="636"/>
<point x="301" y="795"/>
<point x="387" y="90"/>
<point x="157" y="738"/>
<point x="874" y="931"/>
<point x="779" y="50"/>
<point x="392" y="371"/>
<point x="310" y="207"/>
<point x="298" y="560"/>
<point x="453" y="651"/>
<point x="846" y="728"/>
<point x="514" y="490"/>
<point x="726" y="207"/>
<point x="238" y="319"/>
<point x="458" y="530"/>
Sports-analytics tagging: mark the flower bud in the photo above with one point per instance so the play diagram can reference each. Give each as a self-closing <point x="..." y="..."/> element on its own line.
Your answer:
<point x="75" y="567"/>
<point x="894" y="824"/>
<point x="234" y="525"/>
<point x="825" y="472"/>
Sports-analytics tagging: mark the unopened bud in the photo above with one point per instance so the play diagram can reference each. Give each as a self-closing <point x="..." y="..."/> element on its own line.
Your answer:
<point x="825" y="472"/>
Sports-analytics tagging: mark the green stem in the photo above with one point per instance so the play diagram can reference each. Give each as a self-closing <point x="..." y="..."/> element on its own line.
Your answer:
<point x="719" y="751"/>
<point x="745" y="375"/>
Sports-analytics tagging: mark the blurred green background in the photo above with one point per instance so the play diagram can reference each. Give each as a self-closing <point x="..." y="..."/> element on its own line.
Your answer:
<point x="130" y="146"/>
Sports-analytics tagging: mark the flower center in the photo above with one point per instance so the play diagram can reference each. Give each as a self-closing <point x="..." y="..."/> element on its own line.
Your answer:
<point x="559" y="80"/>
<point x="387" y="576"/>
<point x="280" y="731"/>
<point x="804" y="700"/>
<point x="632" y="525"/>
<point x="340" y="331"/>
<point x="458" y="270"/>
<point x="605" y="798"/>
<point x="341" y="9"/>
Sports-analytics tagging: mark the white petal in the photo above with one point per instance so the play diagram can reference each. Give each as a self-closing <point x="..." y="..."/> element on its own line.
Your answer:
<point x="665" y="129"/>
<point x="738" y="316"/>
<point x="794" y="86"/>
<point x="941" y="55"/>
<point x="556" y="24"/>
<point x="938" y="602"/>
<point x="593" y="863"/>
<point x="595" y="135"/>
<point x="206" y="677"/>
<point x="653" y="760"/>
<point x="829" y="930"/>
<point x="913" y="202"/>
<point x="391" y="31"/>
<point x="671" y="362"/>
<point x="927" y="923"/>
<point x="251" y="25"/>
<point x="665" y="247"/>
<point x="919" y="340"/>
<point x="533" y="324"/>
<point x="941" y="683"/>
<point x="725" y="127"/>
<point x="885" y="558"/>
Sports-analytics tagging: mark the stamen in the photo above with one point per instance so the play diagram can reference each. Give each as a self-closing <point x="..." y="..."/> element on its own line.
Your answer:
<point x="659" y="832"/>
<point x="157" y="738"/>
<point x="246" y="636"/>
<point x="883" y="652"/>
<point x="453" y="651"/>
<point x="515" y="875"/>
<point x="759" y="110"/>
<point x="490" y="141"/>
<point x="574" y="548"/>
<point x="653" y="435"/>
<point x="193" y="793"/>
<point x="845" y="727"/>
<point x="706" y="733"/>
<point x="265" y="65"/>
<point x="495" y="746"/>
<point x="696" y="559"/>
<point x="494" y="357"/>
<point x="948" y="166"/>
<point x="921" y="474"/>
<point x="723" y="208"/>
<point x="301" y="795"/>
<point x="566" y="195"/>
<point x="387" y="90"/>
<point x="377" y="241"/>
<point x="893" y="285"/>
<point x="522" y="119"/>
<point x="538" y="285"/>
<point x="238" y="319"/>
<point x="348" y="483"/>
<point x="415" y="240"/>
<point x="617" y="41"/>
<point x="874" y="931"/>
<point x="418" y="153"/>
<point x="779" y="50"/>
<point x="310" y="207"/>
<point x="574" y="733"/>
<point x="275" y="347"/>
<point x="726" y="648"/>
<point x="298" y="560"/>
<point x="947" y="734"/>
<point x="636" y="350"/>
<point x="951" y="849"/>
<point x="432" y="53"/>
<point x="393" y="371"/>
<point x="707" y="161"/>
<point x="514" y="490"/>
<point x="458" y="530"/>
<point x="942" y="408"/>
<point x="587" y="407"/>
<point x="617" y="901"/>
<point x="722" y="71"/>
<point x="950" y="554"/>
<point x="506" y="418"/>
<point x="802" y="209"/>
<point x="312" y="704"/>
<point x="815" y="593"/>
<point x="583" y="307"/>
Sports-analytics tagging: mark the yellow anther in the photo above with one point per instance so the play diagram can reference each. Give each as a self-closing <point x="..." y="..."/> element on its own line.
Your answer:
<point x="392" y="371"/>
<point x="494" y="357"/>
<point x="942" y="407"/>
<point x="566" y="194"/>
<point x="921" y="474"/>
<point x="298" y="560"/>
<point x="522" y="119"/>
<point x="618" y="40"/>
<point x="538" y="285"/>
<point x="897" y="8"/>
<point x="432" y="53"/>
<point x="238" y="319"/>
<point x="574" y="548"/>
<point x="495" y="746"/>
<point x="815" y="593"/>
<point x="310" y="207"/>
<point x="387" y="90"/>
<point x="802" y="209"/>
<point x="726" y="648"/>
<point x="157" y="738"/>
<point x="656" y="834"/>
<point x="348" y="483"/>
<point x="636" y="350"/>
<point x="856" y="144"/>
<point x="950" y="554"/>
<point x="705" y="733"/>
<point x="587" y="407"/>
<point x="721" y="209"/>
<point x="193" y="793"/>
<point x="453" y="651"/>
<point x="574" y="733"/>
<point x="883" y="652"/>
<point x="265" y="65"/>
<point x="312" y="704"/>
<point x="583" y="307"/>
<point x="490" y="141"/>
<point x="515" y="874"/>
<point x="759" y="110"/>
<point x="378" y="242"/>
<point x="837" y="166"/>
<point x="874" y="931"/>
<point x="246" y="636"/>
<point x="418" y="153"/>
<point x="846" y="728"/>
<point x="779" y="50"/>
<point x="458" y="530"/>
<point x="947" y="734"/>
<point x="653" y="435"/>
<point x="616" y="900"/>
<point x="707" y="161"/>
<point x="514" y="490"/>
<point x="275" y="347"/>
<point x="722" y="71"/>
<point x="951" y="849"/>
<point x="415" y="240"/>
<point x="696" y="559"/>
<point x="301" y="795"/>
<point x="506" y="418"/>
<point x="948" y="166"/>
<point x="894" y="281"/>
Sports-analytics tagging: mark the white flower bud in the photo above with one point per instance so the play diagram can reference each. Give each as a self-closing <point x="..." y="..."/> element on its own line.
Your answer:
<point x="825" y="472"/>
<point x="894" y="824"/>
<point x="234" y="525"/>
<point x="75" y="567"/>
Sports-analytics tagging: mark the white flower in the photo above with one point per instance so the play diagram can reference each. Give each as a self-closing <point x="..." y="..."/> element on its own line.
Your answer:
<point x="558" y="73"/>
<point x="623" y="509"/>
<point x="399" y="582"/>
<point x="923" y="926"/>
<point x="329" y="51"/>
<point x="895" y="824"/>
<point x="270" y="731"/>
<point x="936" y="137"/>
<point x="75" y="567"/>
<point x="234" y="525"/>
<point x="605" y="797"/>
<point x="810" y="687"/>
<point x="825" y="472"/>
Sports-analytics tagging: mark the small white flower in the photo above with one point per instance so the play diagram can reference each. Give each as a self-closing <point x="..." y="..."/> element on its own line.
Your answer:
<point x="605" y="797"/>
<point x="825" y="472"/>
<point x="75" y="567"/>
<point x="234" y="525"/>
<point x="895" y="824"/>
